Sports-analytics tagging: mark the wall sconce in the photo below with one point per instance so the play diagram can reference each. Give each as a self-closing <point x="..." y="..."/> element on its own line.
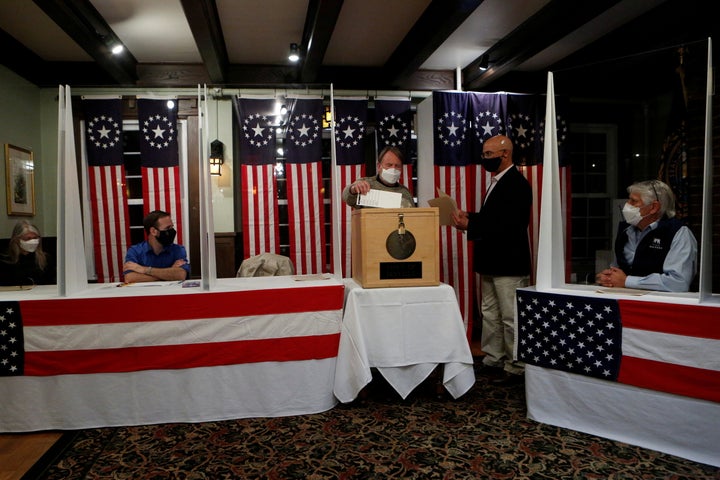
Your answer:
<point x="294" y="54"/>
<point x="484" y="63"/>
<point x="327" y="118"/>
<point x="217" y="157"/>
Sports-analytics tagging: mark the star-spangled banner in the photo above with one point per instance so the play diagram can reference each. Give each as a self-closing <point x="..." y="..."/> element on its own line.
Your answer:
<point x="103" y="131"/>
<point x="522" y="128"/>
<point x="69" y="337"/>
<point x="393" y="120"/>
<point x="350" y="131"/>
<point x="258" y="187"/>
<point x="159" y="160"/>
<point x="350" y="138"/>
<point x="257" y="131"/>
<point x="158" y="133"/>
<point x="577" y="335"/>
<point x="672" y="348"/>
<point x="303" y="169"/>
<point x="106" y="177"/>
<point x="452" y="129"/>
<point x="455" y="174"/>
<point x="488" y="112"/>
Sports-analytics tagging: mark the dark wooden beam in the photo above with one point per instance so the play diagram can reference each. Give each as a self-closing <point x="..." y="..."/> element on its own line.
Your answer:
<point x="204" y="21"/>
<point x="320" y="22"/>
<point x="88" y="29"/>
<point x="553" y="22"/>
<point x="439" y="20"/>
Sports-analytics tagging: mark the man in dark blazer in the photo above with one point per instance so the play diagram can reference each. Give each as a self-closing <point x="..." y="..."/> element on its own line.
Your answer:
<point x="501" y="252"/>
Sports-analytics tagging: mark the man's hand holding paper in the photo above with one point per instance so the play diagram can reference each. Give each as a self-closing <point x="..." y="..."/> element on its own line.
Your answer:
<point x="447" y="206"/>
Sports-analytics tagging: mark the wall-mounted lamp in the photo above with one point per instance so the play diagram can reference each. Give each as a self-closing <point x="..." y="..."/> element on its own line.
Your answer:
<point x="217" y="157"/>
<point x="294" y="54"/>
<point x="327" y="118"/>
<point x="484" y="62"/>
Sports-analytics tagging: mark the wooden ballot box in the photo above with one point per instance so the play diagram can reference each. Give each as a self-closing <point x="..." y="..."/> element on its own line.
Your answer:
<point x="395" y="247"/>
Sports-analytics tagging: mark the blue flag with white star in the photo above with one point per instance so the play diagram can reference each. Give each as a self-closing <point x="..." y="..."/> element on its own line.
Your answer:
<point x="158" y="133"/>
<point x="452" y="129"/>
<point x="303" y="140"/>
<point x="488" y="114"/>
<point x="350" y="129"/>
<point x="523" y="119"/>
<point x="393" y="120"/>
<point x="257" y="130"/>
<point x="103" y="132"/>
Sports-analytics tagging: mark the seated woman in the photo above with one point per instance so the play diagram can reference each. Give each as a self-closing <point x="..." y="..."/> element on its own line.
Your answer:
<point x="25" y="262"/>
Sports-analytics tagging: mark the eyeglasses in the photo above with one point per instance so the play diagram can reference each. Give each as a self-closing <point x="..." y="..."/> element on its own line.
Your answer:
<point x="490" y="154"/>
<point x="652" y="184"/>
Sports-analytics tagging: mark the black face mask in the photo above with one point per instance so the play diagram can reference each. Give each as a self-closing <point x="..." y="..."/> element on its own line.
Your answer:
<point x="166" y="237"/>
<point x="491" y="164"/>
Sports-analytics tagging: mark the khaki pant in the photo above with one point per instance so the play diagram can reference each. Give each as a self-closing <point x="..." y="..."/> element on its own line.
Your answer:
<point x="497" y="306"/>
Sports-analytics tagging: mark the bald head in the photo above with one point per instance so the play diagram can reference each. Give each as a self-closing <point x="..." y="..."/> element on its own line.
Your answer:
<point x="497" y="153"/>
<point x="498" y="142"/>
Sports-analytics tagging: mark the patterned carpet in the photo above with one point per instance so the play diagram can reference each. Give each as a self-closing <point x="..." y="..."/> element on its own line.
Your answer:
<point x="484" y="434"/>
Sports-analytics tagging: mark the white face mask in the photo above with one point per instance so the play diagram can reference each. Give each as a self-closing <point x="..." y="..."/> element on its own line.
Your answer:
<point x="631" y="214"/>
<point x="30" y="245"/>
<point x="390" y="175"/>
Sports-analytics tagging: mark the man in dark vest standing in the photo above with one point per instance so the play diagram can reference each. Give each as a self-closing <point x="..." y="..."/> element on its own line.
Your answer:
<point x="653" y="249"/>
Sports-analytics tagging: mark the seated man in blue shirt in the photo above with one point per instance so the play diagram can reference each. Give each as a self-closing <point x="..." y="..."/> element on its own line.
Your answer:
<point x="653" y="249"/>
<point x="157" y="258"/>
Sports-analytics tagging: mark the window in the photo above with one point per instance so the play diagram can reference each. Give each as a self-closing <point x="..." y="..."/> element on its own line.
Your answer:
<point x="593" y="159"/>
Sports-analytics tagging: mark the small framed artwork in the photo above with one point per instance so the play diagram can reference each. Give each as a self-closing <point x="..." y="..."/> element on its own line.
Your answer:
<point x="20" y="180"/>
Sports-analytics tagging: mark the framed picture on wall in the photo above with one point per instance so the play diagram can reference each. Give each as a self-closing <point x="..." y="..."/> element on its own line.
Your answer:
<point x="20" y="180"/>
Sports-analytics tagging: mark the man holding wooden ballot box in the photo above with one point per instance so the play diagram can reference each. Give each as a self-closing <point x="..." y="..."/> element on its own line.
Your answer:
<point x="368" y="191"/>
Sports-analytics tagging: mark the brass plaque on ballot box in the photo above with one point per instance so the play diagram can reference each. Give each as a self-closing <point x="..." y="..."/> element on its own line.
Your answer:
<point x="395" y="247"/>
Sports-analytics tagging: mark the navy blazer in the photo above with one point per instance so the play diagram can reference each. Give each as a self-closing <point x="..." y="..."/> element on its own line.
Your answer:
<point x="499" y="231"/>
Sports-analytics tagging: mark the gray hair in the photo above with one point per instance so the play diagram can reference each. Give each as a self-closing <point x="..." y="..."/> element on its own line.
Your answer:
<point x="651" y="190"/>
<point x="21" y="228"/>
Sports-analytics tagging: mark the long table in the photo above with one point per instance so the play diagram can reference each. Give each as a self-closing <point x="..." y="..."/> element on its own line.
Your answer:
<point x="159" y="353"/>
<point x="666" y="395"/>
<point x="404" y="332"/>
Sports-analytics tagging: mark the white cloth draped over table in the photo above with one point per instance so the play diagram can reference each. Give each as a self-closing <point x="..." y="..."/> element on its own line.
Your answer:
<point x="404" y="332"/>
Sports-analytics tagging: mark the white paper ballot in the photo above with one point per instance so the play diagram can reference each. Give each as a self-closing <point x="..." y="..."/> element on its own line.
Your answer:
<point x="380" y="199"/>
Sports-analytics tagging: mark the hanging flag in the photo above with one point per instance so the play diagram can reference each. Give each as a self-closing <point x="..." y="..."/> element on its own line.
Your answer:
<point x="108" y="195"/>
<point x="456" y="175"/>
<point x="394" y="128"/>
<point x="69" y="337"/>
<point x="305" y="189"/>
<point x="632" y="342"/>
<point x="159" y="159"/>
<point x="525" y="127"/>
<point x="350" y="136"/>
<point x="489" y="113"/>
<point x="258" y="182"/>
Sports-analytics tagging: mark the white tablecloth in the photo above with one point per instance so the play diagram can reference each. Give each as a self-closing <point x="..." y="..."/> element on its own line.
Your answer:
<point x="405" y="333"/>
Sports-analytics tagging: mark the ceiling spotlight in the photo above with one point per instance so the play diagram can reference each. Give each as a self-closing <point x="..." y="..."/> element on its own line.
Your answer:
<point x="294" y="55"/>
<point x="117" y="49"/>
<point x="484" y="62"/>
